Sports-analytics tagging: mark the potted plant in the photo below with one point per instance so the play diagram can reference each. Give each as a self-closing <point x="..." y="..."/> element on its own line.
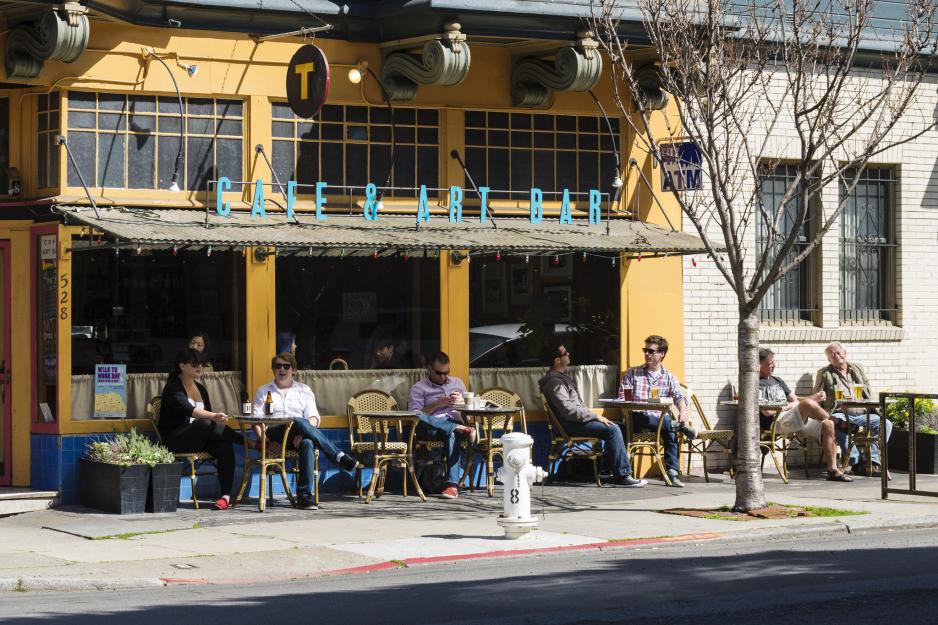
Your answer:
<point x="115" y="474"/>
<point x="926" y="435"/>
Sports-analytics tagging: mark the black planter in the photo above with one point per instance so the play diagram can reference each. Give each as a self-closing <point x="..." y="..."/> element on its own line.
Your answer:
<point x="926" y="451"/>
<point x="114" y="488"/>
<point x="163" y="495"/>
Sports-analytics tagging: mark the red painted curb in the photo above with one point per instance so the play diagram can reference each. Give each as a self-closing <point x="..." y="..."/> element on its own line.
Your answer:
<point x="383" y="566"/>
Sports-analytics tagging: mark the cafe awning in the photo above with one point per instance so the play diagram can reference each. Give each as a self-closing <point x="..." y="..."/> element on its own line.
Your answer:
<point x="350" y="233"/>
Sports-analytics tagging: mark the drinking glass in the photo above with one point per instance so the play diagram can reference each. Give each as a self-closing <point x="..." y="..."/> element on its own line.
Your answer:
<point x="654" y="392"/>
<point x="838" y="394"/>
<point x="858" y="391"/>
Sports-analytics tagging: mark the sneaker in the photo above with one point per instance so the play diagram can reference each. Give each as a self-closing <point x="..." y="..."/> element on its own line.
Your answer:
<point x="305" y="502"/>
<point x="348" y="463"/>
<point x="606" y="475"/>
<point x="675" y="480"/>
<point x="688" y="431"/>
<point x="628" y="481"/>
<point x="450" y="492"/>
<point x="468" y="431"/>
<point x="221" y="504"/>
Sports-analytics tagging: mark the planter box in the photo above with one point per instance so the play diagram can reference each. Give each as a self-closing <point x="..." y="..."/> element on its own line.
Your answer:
<point x="926" y="451"/>
<point x="112" y="487"/>
<point x="163" y="495"/>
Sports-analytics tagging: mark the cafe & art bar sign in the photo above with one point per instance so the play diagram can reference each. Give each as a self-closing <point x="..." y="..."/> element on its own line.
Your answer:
<point x="373" y="202"/>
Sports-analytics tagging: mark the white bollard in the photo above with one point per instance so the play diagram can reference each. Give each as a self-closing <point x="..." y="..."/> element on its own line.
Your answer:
<point x="517" y="475"/>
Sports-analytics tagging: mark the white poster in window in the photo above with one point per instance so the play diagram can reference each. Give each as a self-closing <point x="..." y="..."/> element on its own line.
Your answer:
<point x="110" y="391"/>
<point x="47" y="247"/>
<point x="359" y="306"/>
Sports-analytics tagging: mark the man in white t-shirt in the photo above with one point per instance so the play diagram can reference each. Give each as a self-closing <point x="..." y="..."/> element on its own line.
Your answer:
<point x="290" y="398"/>
<point x="806" y="410"/>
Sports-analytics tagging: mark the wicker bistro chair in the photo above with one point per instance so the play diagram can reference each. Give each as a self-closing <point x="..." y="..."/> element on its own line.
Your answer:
<point x="366" y="439"/>
<point x="193" y="460"/>
<point x="564" y="447"/>
<point x="707" y="438"/>
<point x="488" y="444"/>
<point x="776" y="443"/>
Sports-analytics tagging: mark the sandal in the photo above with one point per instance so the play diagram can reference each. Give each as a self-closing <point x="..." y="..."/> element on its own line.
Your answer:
<point x="838" y="476"/>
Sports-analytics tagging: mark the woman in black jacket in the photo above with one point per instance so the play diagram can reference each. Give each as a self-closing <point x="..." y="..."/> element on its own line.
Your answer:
<point x="188" y="424"/>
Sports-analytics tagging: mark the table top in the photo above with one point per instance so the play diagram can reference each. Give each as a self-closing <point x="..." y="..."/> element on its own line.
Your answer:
<point x="636" y="403"/>
<point x="491" y="410"/>
<point x="264" y="420"/>
<point x="766" y="405"/>
<point x="858" y="403"/>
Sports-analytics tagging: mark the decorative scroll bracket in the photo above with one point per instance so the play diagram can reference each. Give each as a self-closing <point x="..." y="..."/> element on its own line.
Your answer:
<point x="60" y="34"/>
<point x="445" y="61"/>
<point x="576" y="67"/>
<point x="650" y="88"/>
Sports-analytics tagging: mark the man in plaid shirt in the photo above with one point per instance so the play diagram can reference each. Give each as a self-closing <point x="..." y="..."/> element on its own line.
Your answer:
<point x="641" y="379"/>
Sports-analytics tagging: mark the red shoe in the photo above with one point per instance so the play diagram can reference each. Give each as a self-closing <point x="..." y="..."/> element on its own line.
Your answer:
<point x="450" y="492"/>
<point x="468" y="431"/>
<point x="221" y="504"/>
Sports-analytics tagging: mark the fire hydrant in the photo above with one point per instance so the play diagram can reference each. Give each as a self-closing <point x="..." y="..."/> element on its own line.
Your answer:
<point x="518" y="474"/>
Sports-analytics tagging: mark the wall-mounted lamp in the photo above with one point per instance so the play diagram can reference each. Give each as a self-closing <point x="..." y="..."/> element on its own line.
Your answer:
<point x="456" y="258"/>
<point x="261" y="254"/>
<point x="356" y="74"/>
<point x="190" y="70"/>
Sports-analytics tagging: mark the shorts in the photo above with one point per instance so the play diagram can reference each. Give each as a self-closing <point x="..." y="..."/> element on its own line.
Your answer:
<point x="789" y="422"/>
<point x="813" y="429"/>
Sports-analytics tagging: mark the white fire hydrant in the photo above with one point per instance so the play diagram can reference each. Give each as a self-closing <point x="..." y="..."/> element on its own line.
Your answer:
<point x="518" y="474"/>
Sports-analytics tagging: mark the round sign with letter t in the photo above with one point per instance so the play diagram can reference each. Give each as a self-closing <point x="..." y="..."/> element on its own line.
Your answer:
<point x="307" y="81"/>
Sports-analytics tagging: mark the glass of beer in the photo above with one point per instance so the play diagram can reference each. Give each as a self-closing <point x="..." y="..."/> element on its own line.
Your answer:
<point x="858" y="391"/>
<point x="654" y="393"/>
<point x="627" y="392"/>
<point x="838" y="394"/>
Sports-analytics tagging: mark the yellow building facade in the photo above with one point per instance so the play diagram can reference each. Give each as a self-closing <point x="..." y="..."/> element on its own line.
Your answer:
<point x="48" y="224"/>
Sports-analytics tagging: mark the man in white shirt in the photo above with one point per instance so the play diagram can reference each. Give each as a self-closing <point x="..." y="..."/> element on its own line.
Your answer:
<point x="290" y="398"/>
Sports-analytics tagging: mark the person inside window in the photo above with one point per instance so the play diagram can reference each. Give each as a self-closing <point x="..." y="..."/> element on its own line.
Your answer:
<point x="188" y="424"/>
<point x="199" y="342"/>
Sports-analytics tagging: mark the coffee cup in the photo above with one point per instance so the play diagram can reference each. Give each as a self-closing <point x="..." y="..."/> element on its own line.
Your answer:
<point x="469" y="399"/>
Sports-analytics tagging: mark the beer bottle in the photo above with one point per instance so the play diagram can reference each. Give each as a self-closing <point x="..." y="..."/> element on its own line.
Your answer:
<point x="269" y="405"/>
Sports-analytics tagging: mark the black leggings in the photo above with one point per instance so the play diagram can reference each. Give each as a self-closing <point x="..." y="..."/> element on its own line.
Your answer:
<point x="201" y="435"/>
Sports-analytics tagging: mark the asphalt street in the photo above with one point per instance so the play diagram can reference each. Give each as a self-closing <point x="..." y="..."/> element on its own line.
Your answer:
<point x="880" y="577"/>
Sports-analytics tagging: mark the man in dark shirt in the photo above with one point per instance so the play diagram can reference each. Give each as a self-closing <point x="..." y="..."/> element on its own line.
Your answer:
<point x="560" y="392"/>
<point x="816" y="422"/>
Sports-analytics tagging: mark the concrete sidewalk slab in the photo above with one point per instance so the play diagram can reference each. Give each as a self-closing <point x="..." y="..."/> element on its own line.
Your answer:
<point x="97" y="526"/>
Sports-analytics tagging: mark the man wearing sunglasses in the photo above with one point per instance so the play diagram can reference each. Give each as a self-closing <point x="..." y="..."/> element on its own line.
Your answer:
<point x="434" y="399"/>
<point x="559" y="390"/>
<point x="294" y="399"/>
<point x="653" y="374"/>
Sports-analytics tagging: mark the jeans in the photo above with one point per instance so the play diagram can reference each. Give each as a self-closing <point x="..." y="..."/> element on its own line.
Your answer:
<point x="648" y="422"/>
<point x="616" y="455"/>
<point x="440" y="428"/>
<point x="313" y="438"/>
<point x="860" y="419"/>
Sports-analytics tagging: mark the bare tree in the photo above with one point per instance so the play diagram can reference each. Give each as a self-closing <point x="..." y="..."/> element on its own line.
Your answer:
<point x="810" y="82"/>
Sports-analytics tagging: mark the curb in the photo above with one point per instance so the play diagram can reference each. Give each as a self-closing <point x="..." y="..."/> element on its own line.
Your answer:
<point x="830" y="528"/>
<point x="73" y="584"/>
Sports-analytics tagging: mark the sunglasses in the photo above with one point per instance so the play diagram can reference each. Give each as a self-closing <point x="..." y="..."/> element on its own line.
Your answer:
<point x="440" y="373"/>
<point x="649" y="351"/>
<point x="283" y="365"/>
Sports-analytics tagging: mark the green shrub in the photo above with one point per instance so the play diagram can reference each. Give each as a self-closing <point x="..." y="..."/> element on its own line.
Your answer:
<point x="926" y="414"/>
<point x="127" y="449"/>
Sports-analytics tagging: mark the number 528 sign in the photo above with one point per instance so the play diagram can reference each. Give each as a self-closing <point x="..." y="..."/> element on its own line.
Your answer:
<point x="307" y="81"/>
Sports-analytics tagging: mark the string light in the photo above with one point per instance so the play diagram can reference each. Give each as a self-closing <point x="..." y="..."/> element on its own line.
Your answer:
<point x="375" y="255"/>
<point x="138" y="249"/>
<point x="244" y="251"/>
<point x="693" y="261"/>
<point x="584" y="257"/>
<point x="117" y="251"/>
<point x="276" y="252"/>
<point x="613" y="261"/>
<point x="406" y="257"/>
<point x="175" y="250"/>
<point x="208" y="252"/>
<point x="310" y="251"/>
<point x="498" y="256"/>
<point x="639" y="259"/>
<point x="526" y="259"/>
<point x="556" y="260"/>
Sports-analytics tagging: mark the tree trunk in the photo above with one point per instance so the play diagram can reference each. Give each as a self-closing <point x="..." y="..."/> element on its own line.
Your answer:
<point x="750" y="491"/>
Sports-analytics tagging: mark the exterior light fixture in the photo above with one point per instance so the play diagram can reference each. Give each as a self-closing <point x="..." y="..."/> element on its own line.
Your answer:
<point x="356" y="74"/>
<point x="190" y="70"/>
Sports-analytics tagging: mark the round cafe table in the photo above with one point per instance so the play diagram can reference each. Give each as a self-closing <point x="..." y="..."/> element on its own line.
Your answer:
<point x="644" y="443"/>
<point x="266" y="461"/>
<point x="484" y="420"/>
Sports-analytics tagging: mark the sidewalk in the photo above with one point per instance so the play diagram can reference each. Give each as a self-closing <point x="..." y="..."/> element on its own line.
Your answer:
<point x="74" y="549"/>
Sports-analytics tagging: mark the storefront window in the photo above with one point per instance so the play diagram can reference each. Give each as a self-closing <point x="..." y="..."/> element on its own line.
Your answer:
<point x="138" y="308"/>
<point x="345" y="312"/>
<point x="521" y="308"/>
<point x="47" y="171"/>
